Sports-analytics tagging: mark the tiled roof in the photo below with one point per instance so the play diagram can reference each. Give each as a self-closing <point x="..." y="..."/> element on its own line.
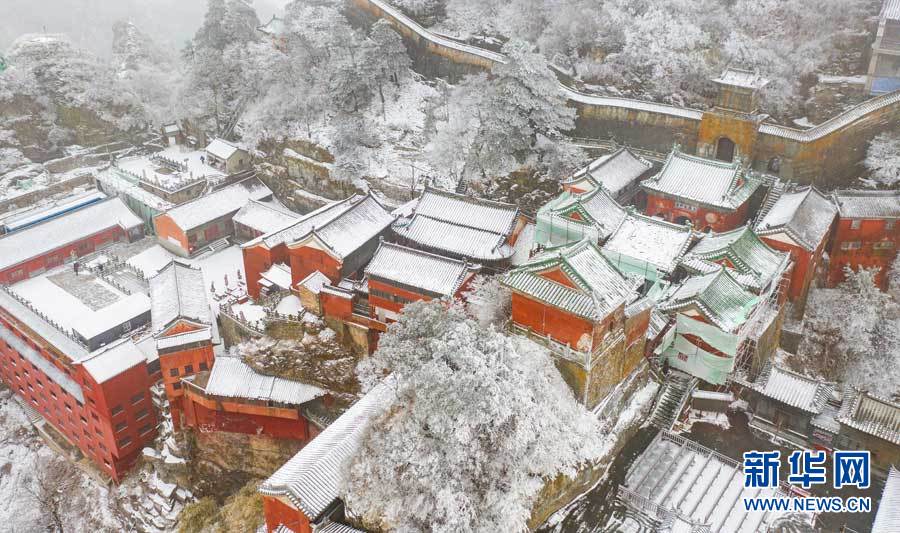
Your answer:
<point x="654" y="241"/>
<point x="221" y="148"/>
<point x="352" y="228"/>
<point x="793" y="389"/>
<point x="742" y="78"/>
<point x="713" y="183"/>
<point x="718" y="296"/>
<point x="890" y="10"/>
<point x="614" y="171"/>
<point x="595" y="207"/>
<point x="315" y="219"/>
<point x="55" y="233"/>
<point x="334" y="527"/>
<point x="264" y="217"/>
<point x="218" y="204"/>
<point x="312" y="478"/>
<point x="112" y="360"/>
<point x="230" y="377"/>
<point x="745" y="251"/>
<point x="871" y="414"/>
<point x="888" y="516"/>
<point x="461" y="241"/>
<point x="806" y="216"/>
<point x="600" y="287"/>
<point x="188" y="337"/>
<point x="868" y="204"/>
<point x="178" y="291"/>
<point x="431" y="273"/>
<point x="487" y="215"/>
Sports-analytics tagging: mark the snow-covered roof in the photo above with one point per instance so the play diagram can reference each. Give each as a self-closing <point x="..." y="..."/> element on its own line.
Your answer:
<point x="221" y="149"/>
<point x="599" y="287"/>
<point x="462" y="210"/>
<point x="171" y="128"/>
<point x="789" y="387"/>
<point x="695" y="487"/>
<point x="178" y="291"/>
<point x="188" y="337"/>
<point x="315" y="281"/>
<point x="30" y="216"/>
<point x="55" y="233"/>
<point x="614" y="171"/>
<point x="32" y="356"/>
<point x="264" y="217"/>
<point x="461" y="241"/>
<point x="279" y="274"/>
<point x="126" y="309"/>
<point x="718" y="296"/>
<point x="114" y="183"/>
<point x="657" y="242"/>
<point x="434" y="274"/>
<point x="871" y="414"/>
<point x="744" y="251"/>
<point x="747" y="79"/>
<point x="112" y="360"/>
<point x="890" y="10"/>
<point x="868" y="204"/>
<point x="230" y="377"/>
<point x="314" y="219"/>
<point x="311" y="479"/>
<point x="888" y="515"/>
<point x="218" y="204"/>
<point x="713" y="183"/>
<point x="352" y="228"/>
<point x="334" y="527"/>
<point x="806" y="216"/>
<point x="595" y="207"/>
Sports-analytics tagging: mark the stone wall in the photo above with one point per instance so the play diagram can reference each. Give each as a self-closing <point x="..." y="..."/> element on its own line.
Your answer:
<point x="37" y="194"/>
<point x="234" y="332"/>
<point x="828" y="160"/>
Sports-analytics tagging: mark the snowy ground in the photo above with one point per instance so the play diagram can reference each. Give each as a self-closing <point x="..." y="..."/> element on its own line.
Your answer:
<point x="194" y="160"/>
<point x="88" y="505"/>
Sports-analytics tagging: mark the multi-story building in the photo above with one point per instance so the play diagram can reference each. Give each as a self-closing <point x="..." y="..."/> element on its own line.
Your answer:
<point x="711" y="195"/>
<point x="63" y="239"/>
<point x="867" y="233"/>
<point x="95" y="398"/>
<point x="800" y="223"/>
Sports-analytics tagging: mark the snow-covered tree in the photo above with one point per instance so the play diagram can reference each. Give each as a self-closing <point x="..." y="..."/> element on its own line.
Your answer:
<point x="488" y="301"/>
<point x="494" y="122"/>
<point x="480" y="421"/>
<point x="883" y="159"/>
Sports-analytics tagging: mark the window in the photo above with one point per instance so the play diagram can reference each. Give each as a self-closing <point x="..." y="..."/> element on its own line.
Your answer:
<point x="188" y="369"/>
<point x="68" y="407"/>
<point x="120" y="426"/>
<point x="95" y="417"/>
<point x="855" y="224"/>
<point x="141" y="414"/>
<point x="116" y="410"/>
<point x="84" y="420"/>
<point x="851" y="245"/>
<point x="173" y="372"/>
<point x="883" y="245"/>
<point x="124" y="442"/>
<point x="145" y="429"/>
<point x="204" y="366"/>
<point x="137" y="398"/>
<point x="176" y="386"/>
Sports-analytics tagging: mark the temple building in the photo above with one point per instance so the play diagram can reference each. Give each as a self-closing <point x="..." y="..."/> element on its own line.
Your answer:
<point x="711" y="195"/>
<point x="648" y="247"/>
<point x="719" y="326"/>
<point x="227" y="157"/>
<point x="619" y="173"/>
<point x="259" y="218"/>
<point x="573" y="216"/>
<point x="184" y="329"/>
<point x="574" y="301"/>
<point x="337" y="240"/>
<point x="462" y="227"/>
<point x="755" y="265"/>
<point x="870" y="422"/>
<point x="399" y="275"/>
<point x="799" y="223"/>
<point x="867" y="233"/>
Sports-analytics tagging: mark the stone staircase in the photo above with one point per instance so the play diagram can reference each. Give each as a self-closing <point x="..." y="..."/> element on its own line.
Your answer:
<point x="213" y="247"/>
<point x="674" y="394"/>
<point x="775" y="191"/>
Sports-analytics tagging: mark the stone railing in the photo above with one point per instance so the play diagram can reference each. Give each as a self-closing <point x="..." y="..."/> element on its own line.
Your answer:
<point x="68" y="333"/>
